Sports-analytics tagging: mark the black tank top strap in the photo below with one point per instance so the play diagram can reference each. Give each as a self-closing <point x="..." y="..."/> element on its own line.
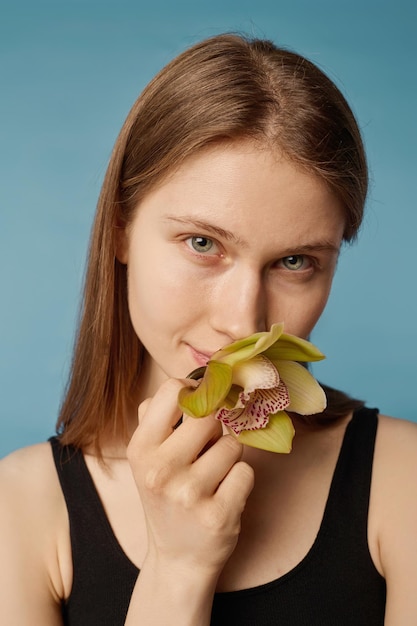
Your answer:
<point x="103" y="575"/>
<point x="348" y="501"/>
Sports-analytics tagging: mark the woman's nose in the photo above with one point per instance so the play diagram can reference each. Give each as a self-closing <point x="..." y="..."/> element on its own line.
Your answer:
<point x="239" y="309"/>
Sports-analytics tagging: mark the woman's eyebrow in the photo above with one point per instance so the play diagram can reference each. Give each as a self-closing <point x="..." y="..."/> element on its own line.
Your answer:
<point x="318" y="246"/>
<point x="206" y="226"/>
<point x="299" y="248"/>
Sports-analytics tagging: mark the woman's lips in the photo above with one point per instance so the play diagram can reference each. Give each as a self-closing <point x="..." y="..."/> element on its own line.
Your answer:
<point x="201" y="358"/>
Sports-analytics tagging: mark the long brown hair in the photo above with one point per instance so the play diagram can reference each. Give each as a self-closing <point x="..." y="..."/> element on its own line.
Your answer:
<point x="225" y="88"/>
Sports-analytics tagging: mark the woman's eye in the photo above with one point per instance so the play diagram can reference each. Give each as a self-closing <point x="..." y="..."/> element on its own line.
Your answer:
<point x="294" y="262"/>
<point x="201" y="244"/>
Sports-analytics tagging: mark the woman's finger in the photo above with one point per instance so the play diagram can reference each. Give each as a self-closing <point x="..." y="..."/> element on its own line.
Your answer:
<point x="192" y="437"/>
<point x="143" y="407"/>
<point x="160" y="414"/>
<point x="236" y="487"/>
<point x="210" y="469"/>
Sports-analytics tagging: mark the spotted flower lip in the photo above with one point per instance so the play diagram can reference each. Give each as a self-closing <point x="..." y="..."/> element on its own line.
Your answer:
<point x="251" y="384"/>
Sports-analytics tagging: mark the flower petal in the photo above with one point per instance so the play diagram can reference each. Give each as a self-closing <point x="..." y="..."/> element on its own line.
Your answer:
<point x="257" y="373"/>
<point x="252" y="410"/>
<point x="292" y="348"/>
<point x="251" y="346"/>
<point x="236" y="419"/>
<point x="306" y="395"/>
<point x="208" y="396"/>
<point x="277" y="435"/>
<point x="266" y="401"/>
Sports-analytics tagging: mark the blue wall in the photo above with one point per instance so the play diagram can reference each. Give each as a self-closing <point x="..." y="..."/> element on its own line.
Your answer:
<point x="70" y="71"/>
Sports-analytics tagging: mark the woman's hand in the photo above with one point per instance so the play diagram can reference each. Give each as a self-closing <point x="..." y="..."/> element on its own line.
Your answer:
<point x="193" y="488"/>
<point x="192" y="483"/>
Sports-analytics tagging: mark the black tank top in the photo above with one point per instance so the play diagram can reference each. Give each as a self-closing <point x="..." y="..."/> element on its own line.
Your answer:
<point x="335" y="584"/>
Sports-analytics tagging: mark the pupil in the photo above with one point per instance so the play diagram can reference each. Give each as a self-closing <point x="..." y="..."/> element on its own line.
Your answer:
<point x="294" y="261"/>
<point x="202" y="242"/>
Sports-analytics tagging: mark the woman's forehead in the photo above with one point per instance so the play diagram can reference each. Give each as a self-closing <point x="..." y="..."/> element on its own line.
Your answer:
<point x="241" y="191"/>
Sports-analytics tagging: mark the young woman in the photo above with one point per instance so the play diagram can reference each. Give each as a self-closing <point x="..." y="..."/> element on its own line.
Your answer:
<point x="236" y="178"/>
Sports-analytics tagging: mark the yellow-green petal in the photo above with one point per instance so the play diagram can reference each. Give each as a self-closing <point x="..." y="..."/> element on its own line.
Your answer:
<point x="249" y="347"/>
<point x="306" y="395"/>
<point x="277" y="435"/>
<point x="212" y="390"/>
<point x="292" y="348"/>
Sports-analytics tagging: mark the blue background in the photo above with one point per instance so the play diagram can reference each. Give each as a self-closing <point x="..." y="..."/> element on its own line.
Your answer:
<point x="68" y="76"/>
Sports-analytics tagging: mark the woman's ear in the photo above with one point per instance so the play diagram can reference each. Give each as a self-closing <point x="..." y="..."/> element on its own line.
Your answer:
<point x="121" y="239"/>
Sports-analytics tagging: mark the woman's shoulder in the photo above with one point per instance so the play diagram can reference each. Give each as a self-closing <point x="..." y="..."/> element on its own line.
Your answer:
<point x="396" y="436"/>
<point x="395" y="462"/>
<point x="29" y="486"/>
<point x="29" y="469"/>
<point x="33" y="517"/>
<point x="394" y="512"/>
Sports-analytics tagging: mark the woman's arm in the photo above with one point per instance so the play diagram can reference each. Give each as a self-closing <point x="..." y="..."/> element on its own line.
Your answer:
<point x="193" y="488"/>
<point x="394" y="502"/>
<point x="31" y="512"/>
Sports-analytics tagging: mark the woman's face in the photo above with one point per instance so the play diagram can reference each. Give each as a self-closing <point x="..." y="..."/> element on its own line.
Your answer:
<point x="236" y="239"/>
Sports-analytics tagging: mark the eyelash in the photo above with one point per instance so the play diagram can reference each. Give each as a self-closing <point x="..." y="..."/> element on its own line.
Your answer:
<point x="213" y="250"/>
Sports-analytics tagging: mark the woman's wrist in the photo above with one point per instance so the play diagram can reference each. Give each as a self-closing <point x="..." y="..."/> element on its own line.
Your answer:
<point x="171" y="587"/>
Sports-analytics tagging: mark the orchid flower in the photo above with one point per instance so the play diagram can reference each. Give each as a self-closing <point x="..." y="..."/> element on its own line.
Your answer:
<point x="251" y="384"/>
